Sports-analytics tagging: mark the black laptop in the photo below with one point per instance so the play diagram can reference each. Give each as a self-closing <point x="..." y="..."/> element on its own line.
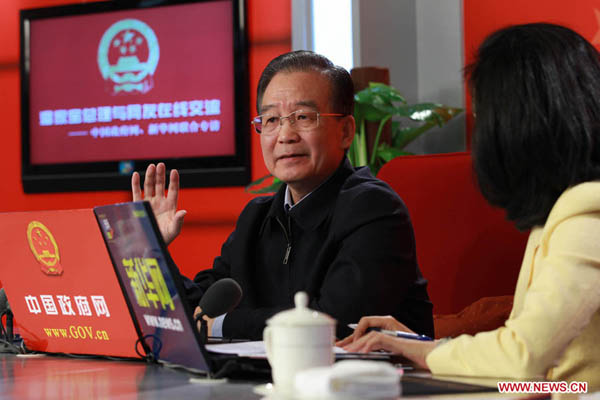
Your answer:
<point x="154" y="293"/>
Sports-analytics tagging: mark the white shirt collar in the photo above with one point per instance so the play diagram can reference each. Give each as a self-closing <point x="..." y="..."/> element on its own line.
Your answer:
<point x="288" y="203"/>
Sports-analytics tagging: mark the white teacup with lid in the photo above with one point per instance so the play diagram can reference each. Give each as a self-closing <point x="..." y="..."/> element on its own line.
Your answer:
<point x="298" y="339"/>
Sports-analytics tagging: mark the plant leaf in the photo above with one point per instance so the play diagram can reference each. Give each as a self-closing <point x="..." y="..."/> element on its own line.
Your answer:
<point x="259" y="181"/>
<point x="403" y="136"/>
<point x="383" y="91"/>
<point x="426" y="112"/>
<point x="378" y="93"/>
<point x="367" y="111"/>
<point x="385" y="153"/>
<point x="270" y="188"/>
<point x="376" y="102"/>
<point x="388" y="153"/>
<point x="274" y="187"/>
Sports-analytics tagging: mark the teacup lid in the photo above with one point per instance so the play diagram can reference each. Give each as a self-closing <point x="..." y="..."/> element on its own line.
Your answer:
<point x="300" y="315"/>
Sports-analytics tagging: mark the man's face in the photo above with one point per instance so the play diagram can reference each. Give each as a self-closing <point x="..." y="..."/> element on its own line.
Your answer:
<point x="303" y="159"/>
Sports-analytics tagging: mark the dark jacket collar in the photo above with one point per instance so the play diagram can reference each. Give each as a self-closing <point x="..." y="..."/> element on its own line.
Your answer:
<point x="312" y="210"/>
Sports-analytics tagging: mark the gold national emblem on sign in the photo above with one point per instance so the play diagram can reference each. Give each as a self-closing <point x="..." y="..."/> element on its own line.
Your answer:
<point x="44" y="248"/>
<point x="127" y="56"/>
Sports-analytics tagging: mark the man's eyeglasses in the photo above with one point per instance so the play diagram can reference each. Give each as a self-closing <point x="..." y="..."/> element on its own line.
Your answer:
<point x="300" y="120"/>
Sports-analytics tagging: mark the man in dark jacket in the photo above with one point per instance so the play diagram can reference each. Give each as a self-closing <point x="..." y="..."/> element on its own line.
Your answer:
<point x="333" y="231"/>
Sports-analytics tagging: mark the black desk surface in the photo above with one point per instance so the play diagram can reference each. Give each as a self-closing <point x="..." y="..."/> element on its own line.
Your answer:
<point x="61" y="377"/>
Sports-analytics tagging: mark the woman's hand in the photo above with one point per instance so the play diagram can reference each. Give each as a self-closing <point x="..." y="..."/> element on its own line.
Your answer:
<point x="415" y="350"/>
<point x="169" y="219"/>
<point x="359" y="342"/>
<point x="387" y="322"/>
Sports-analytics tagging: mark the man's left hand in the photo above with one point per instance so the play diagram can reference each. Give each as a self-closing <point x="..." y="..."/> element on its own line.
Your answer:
<point x="209" y="321"/>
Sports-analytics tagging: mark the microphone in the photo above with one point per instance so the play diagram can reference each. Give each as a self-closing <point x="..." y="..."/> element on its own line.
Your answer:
<point x="220" y="298"/>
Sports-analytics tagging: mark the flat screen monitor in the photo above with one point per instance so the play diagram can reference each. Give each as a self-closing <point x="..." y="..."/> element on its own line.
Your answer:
<point x="109" y="87"/>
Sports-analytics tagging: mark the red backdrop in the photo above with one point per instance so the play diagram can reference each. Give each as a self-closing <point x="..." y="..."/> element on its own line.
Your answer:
<point x="482" y="17"/>
<point x="211" y="212"/>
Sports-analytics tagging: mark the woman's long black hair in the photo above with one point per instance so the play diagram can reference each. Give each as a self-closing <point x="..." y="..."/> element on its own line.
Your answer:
<point x="536" y="90"/>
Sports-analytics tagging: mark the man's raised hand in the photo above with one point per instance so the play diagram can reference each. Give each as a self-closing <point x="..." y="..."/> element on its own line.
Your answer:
<point x="169" y="219"/>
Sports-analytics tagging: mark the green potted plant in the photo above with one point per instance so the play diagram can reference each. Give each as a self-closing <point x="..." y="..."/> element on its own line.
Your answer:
<point x="380" y="103"/>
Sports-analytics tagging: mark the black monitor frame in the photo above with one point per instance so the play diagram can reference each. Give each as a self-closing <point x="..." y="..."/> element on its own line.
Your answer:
<point x="91" y="176"/>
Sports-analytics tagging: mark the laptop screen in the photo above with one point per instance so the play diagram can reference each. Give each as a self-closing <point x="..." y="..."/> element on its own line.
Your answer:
<point x="151" y="283"/>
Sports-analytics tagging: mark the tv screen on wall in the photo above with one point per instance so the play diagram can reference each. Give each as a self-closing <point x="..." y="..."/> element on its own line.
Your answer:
<point x="109" y="87"/>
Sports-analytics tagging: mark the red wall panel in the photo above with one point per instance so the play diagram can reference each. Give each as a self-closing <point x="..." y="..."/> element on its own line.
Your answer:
<point x="269" y="21"/>
<point x="482" y="17"/>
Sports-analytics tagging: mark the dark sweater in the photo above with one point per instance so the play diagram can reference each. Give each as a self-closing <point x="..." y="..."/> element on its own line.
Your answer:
<point x="351" y="248"/>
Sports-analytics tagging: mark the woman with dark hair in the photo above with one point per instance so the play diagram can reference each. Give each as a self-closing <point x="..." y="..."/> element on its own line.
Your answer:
<point x="536" y="154"/>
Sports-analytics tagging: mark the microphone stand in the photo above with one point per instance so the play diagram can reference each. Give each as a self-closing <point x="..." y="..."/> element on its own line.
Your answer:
<point x="203" y="327"/>
<point x="6" y="334"/>
<point x="9" y="325"/>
